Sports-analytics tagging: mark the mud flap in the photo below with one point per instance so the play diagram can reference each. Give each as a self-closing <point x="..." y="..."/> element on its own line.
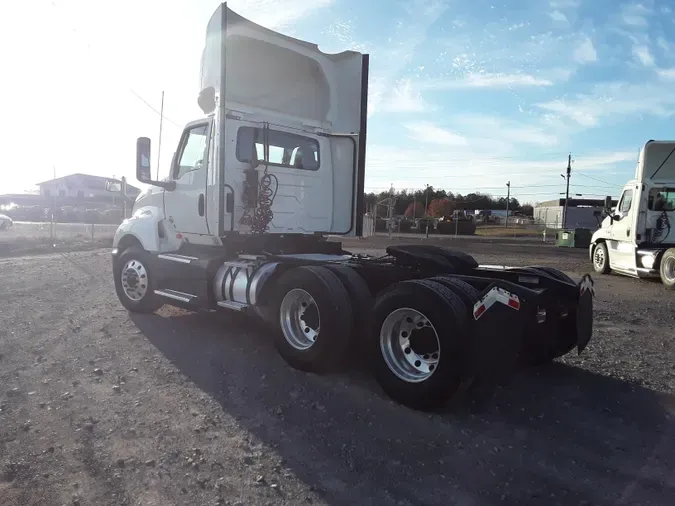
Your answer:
<point x="584" y="316"/>
<point x="497" y="327"/>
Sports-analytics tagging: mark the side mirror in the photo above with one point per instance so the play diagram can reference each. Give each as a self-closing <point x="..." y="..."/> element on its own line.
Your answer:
<point x="143" y="170"/>
<point x="608" y="203"/>
<point x="113" y="186"/>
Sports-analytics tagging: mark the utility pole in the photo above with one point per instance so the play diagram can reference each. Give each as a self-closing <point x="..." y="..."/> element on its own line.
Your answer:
<point x="567" y="191"/>
<point x="390" y="211"/>
<point x="508" y="197"/>
<point x="426" y="206"/>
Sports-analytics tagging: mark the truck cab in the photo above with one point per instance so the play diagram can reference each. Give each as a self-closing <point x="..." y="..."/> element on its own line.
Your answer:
<point x="635" y="238"/>
<point x="280" y="149"/>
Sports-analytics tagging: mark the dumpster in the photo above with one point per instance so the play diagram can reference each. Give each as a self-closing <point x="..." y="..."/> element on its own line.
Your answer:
<point x="573" y="238"/>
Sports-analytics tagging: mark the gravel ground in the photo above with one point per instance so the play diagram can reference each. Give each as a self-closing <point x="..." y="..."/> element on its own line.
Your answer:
<point x="104" y="408"/>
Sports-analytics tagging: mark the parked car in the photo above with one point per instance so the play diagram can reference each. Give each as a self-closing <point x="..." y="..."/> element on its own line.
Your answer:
<point x="5" y="222"/>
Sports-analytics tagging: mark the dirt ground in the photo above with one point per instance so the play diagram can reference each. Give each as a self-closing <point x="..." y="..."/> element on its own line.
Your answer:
<point x="100" y="407"/>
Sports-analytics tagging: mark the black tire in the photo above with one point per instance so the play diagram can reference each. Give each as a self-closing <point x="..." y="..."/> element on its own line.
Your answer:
<point x="601" y="266"/>
<point x="362" y="303"/>
<point x="555" y="273"/>
<point x="462" y="289"/>
<point x="335" y="319"/>
<point x="149" y="302"/>
<point x="447" y="314"/>
<point x="667" y="269"/>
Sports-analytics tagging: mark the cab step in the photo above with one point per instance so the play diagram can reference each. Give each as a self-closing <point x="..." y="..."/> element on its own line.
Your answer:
<point x="188" y="298"/>
<point x="233" y="305"/>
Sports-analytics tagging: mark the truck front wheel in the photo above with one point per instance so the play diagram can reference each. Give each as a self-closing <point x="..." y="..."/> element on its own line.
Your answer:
<point x="667" y="269"/>
<point x="134" y="282"/>
<point x="601" y="259"/>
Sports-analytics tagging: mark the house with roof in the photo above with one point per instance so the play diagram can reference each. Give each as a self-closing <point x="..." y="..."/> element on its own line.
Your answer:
<point x="81" y="186"/>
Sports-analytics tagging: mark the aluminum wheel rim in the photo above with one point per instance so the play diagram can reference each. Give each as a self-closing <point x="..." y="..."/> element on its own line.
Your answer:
<point x="599" y="257"/>
<point x="669" y="269"/>
<point x="300" y="319"/>
<point x="399" y="353"/>
<point x="134" y="279"/>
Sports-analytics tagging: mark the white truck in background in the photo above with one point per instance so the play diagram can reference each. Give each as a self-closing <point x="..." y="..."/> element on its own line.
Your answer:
<point x="240" y="224"/>
<point x="635" y="238"/>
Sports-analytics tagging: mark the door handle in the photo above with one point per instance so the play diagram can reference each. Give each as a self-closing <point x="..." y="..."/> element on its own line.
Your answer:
<point x="200" y="205"/>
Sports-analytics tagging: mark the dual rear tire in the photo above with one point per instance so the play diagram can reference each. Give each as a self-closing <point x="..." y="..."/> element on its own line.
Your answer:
<point x="413" y="333"/>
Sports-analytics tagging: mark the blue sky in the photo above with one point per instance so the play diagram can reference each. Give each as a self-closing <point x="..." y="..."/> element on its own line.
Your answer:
<point x="463" y="95"/>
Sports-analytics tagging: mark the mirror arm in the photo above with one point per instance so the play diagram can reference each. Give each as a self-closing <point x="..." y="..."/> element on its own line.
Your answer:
<point x="167" y="185"/>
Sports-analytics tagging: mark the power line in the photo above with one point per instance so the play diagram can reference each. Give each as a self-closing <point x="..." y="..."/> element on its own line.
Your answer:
<point x="596" y="179"/>
<point x="151" y="107"/>
<point x="137" y="95"/>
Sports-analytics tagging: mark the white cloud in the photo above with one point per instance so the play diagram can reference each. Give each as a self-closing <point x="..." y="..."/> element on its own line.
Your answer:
<point x="427" y="132"/>
<point x="481" y="126"/>
<point x="388" y="62"/>
<point x="468" y="168"/>
<point x="485" y="80"/>
<point x="558" y="16"/>
<point x="643" y="55"/>
<point x="574" y="111"/>
<point x="616" y="100"/>
<point x="666" y="73"/>
<point x="635" y="15"/>
<point x="564" y="4"/>
<point x="585" y="51"/>
<point x="402" y="98"/>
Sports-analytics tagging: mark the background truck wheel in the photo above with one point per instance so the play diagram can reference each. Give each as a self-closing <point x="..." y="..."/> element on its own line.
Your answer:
<point x="362" y="304"/>
<point x="134" y="283"/>
<point x="667" y="269"/>
<point x="419" y="331"/>
<point x="315" y="318"/>
<point x="601" y="259"/>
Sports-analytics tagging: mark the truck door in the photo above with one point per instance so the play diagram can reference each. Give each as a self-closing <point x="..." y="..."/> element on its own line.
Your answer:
<point x="186" y="206"/>
<point x="622" y="254"/>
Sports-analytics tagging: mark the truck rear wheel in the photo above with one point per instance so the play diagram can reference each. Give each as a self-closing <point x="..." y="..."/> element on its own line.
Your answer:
<point x="601" y="259"/>
<point x="555" y="273"/>
<point x="667" y="269"/>
<point x="420" y="327"/>
<point x="134" y="282"/>
<point x="315" y="318"/>
<point x="467" y="293"/>
<point x="362" y="303"/>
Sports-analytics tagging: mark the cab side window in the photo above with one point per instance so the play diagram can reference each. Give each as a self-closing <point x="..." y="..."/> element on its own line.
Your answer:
<point x="626" y="200"/>
<point x="193" y="151"/>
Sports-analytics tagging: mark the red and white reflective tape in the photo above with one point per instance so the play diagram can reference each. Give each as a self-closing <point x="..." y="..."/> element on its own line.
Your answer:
<point x="586" y="284"/>
<point x="495" y="295"/>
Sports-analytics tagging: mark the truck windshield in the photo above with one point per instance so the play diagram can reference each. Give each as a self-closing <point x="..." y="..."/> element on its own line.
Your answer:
<point x="661" y="199"/>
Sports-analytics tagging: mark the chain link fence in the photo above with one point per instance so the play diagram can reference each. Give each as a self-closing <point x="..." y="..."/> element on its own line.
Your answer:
<point x="26" y="237"/>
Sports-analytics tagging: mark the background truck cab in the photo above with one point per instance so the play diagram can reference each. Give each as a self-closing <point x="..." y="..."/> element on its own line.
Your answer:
<point x="635" y="237"/>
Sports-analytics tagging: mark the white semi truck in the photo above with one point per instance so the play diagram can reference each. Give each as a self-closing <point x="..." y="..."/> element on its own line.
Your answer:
<point x="635" y="237"/>
<point x="276" y="164"/>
